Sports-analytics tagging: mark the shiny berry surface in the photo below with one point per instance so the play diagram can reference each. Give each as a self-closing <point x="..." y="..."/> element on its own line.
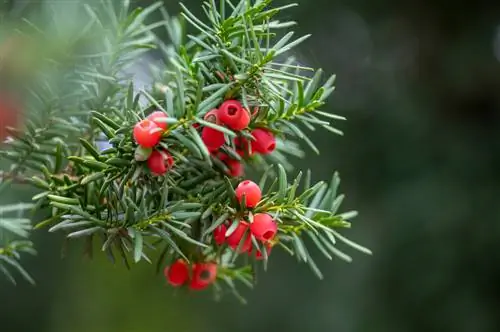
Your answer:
<point x="147" y="133"/>
<point x="251" y="191"/>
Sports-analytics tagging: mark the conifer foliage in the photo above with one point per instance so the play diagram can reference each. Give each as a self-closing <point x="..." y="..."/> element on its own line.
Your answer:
<point x="162" y="174"/>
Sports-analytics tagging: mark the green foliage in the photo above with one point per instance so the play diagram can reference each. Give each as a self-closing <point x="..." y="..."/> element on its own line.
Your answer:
<point x="83" y="97"/>
<point x="14" y="231"/>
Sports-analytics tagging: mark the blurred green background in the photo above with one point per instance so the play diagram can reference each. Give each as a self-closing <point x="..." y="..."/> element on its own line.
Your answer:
<point x="419" y="82"/>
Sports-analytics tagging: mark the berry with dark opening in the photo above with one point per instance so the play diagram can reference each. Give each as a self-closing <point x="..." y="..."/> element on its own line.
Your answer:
<point x="177" y="274"/>
<point x="236" y="237"/>
<point x="147" y="133"/>
<point x="264" y="141"/>
<point x="263" y="227"/>
<point x="251" y="191"/>
<point x="204" y="274"/>
<point x="159" y="118"/>
<point x="212" y="138"/>
<point x="220" y="235"/>
<point x="160" y="162"/>
<point x="212" y="116"/>
<point x="233" y="115"/>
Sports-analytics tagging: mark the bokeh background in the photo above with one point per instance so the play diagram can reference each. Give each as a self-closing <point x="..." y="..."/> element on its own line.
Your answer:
<point x="419" y="82"/>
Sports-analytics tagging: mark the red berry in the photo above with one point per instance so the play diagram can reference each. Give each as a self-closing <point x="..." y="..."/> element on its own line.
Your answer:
<point x="243" y="147"/>
<point x="264" y="142"/>
<point x="204" y="274"/>
<point x="263" y="227"/>
<point x="235" y="168"/>
<point x="147" y="133"/>
<point x="232" y="114"/>
<point x="212" y="116"/>
<point x="156" y="116"/>
<point x="251" y="191"/>
<point x="8" y="115"/>
<point x="236" y="237"/>
<point x="160" y="162"/>
<point x="177" y="274"/>
<point x="220" y="235"/>
<point x="258" y="253"/>
<point x="212" y="138"/>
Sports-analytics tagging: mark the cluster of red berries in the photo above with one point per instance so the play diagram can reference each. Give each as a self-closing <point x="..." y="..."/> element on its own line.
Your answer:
<point x="147" y="134"/>
<point x="199" y="275"/>
<point x="261" y="225"/>
<point x="234" y="116"/>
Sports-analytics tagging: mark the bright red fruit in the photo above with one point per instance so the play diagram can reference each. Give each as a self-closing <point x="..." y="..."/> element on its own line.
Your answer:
<point x="160" y="162"/>
<point x="204" y="274"/>
<point x="212" y="138"/>
<point x="251" y="191"/>
<point x="236" y="237"/>
<point x="147" y="133"/>
<point x="263" y="227"/>
<point x="236" y="168"/>
<point x="232" y="114"/>
<point x="177" y="274"/>
<point x="220" y="235"/>
<point x="264" y="142"/>
<point x="156" y="116"/>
